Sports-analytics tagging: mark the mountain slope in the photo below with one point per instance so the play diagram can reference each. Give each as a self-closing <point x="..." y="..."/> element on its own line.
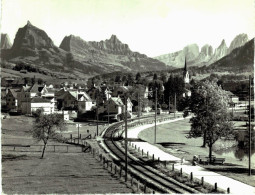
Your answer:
<point x="5" y="42"/>
<point x="241" y="59"/>
<point x="75" y="56"/>
<point x="206" y="56"/>
<point x="111" y="54"/>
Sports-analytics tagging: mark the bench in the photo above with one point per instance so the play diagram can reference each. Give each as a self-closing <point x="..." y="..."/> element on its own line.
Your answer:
<point x="219" y="161"/>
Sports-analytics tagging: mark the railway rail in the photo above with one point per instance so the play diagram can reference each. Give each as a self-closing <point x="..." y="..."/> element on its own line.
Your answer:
<point x="153" y="178"/>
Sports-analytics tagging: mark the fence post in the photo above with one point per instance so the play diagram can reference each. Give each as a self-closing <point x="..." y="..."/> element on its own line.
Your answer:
<point x="202" y="181"/>
<point x="120" y="170"/>
<point x="172" y="167"/>
<point x="147" y="154"/>
<point x="144" y="188"/>
<point x="228" y="190"/>
<point x="215" y="186"/>
<point x="181" y="172"/>
<point x="115" y="169"/>
<point x="165" y="163"/>
<point x="142" y="152"/>
<point x="71" y="137"/>
<point x="153" y="157"/>
<point x="191" y="176"/>
<point x="158" y="159"/>
<point x="111" y="167"/>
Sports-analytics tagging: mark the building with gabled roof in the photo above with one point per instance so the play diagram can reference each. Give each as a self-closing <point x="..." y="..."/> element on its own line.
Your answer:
<point x="30" y="106"/>
<point x="12" y="99"/>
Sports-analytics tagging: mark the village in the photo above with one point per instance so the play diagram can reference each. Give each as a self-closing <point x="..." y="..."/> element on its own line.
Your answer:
<point x="85" y="103"/>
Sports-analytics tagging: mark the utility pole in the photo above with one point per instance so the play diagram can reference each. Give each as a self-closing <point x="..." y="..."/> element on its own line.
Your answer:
<point x="108" y="102"/>
<point x="169" y="103"/>
<point x="126" y="164"/>
<point x="155" y="116"/>
<point x="97" y="113"/>
<point x="250" y="125"/>
<point x="174" y="104"/>
<point x="139" y="106"/>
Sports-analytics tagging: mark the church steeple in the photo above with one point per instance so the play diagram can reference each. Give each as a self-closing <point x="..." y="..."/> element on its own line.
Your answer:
<point x="185" y="72"/>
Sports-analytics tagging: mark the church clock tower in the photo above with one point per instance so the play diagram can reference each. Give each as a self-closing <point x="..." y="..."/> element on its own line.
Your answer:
<point x="185" y="72"/>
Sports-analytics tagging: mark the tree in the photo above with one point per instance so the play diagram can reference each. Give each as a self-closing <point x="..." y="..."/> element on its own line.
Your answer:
<point x="45" y="127"/>
<point x="138" y="76"/>
<point x="212" y="120"/>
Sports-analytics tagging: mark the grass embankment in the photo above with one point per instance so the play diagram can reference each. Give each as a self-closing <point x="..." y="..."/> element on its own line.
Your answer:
<point x="23" y="172"/>
<point x="173" y="137"/>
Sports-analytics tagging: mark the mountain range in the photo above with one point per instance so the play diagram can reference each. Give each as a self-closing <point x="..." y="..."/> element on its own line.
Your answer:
<point x="80" y="58"/>
<point x="205" y="56"/>
<point x="74" y="55"/>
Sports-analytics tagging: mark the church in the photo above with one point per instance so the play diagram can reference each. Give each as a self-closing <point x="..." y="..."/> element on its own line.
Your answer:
<point x="186" y="79"/>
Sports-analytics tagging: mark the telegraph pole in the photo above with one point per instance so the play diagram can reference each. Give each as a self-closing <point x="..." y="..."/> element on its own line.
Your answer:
<point x="174" y="104"/>
<point x="108" y="101"/>
<point x="155" y="116"/>
<point x="169" y="103"/>
<point x="126" y="164"/>
<point x="97" y="113"/>
<point x="250" y="125"/>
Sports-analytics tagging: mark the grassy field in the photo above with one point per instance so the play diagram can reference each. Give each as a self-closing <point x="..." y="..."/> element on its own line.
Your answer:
<point x="23" y="171"/>
<point x="173" y="137"/>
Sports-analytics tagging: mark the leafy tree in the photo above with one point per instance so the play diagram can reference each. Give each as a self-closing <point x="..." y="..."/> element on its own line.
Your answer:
<point x="211" y="119"/>
<point x="138" y="76"/>
<point x="130" y="79"/>
<point x="45" y="127"/>
<point x="155" y="77"/>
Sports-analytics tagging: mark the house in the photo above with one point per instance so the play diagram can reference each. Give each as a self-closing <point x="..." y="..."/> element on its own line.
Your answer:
<point x="74" y="100"/>
<point x="12" y="99"/>
<point x="67" y="101"/>
<point x="84" y="102"/>
<point x="103" y="93"/>
<point x="31" y="105"/>
<point x="120" y="91"/>
<point x="114" y="105"/>
<point x="29" y="92"/>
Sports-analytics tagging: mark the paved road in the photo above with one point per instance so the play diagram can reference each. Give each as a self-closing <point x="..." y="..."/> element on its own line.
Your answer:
<point x="223" y="182"/>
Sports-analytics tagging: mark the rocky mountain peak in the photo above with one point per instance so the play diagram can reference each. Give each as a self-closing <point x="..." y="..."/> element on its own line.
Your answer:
<point x="114" y="40"/>
<point x="5" y="42"/>
<point x="223" y="43"/>
<point x="207" y="50"/>
<point x="32" y="37"/>
<point x="29" y="23"/>
<point x="238" y="41"/>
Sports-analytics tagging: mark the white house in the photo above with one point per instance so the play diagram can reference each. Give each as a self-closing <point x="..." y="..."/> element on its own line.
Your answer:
<point x="30" y="106"/>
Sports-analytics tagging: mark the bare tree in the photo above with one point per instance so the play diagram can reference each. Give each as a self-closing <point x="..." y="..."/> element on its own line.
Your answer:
<point x="45" y="127"/>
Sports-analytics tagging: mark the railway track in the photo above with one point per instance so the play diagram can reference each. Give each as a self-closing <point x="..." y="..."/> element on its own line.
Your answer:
<point x="153" y="178"/>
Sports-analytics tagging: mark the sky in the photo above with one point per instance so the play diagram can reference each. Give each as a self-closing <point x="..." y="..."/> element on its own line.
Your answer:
<point x="151" y="27"/>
